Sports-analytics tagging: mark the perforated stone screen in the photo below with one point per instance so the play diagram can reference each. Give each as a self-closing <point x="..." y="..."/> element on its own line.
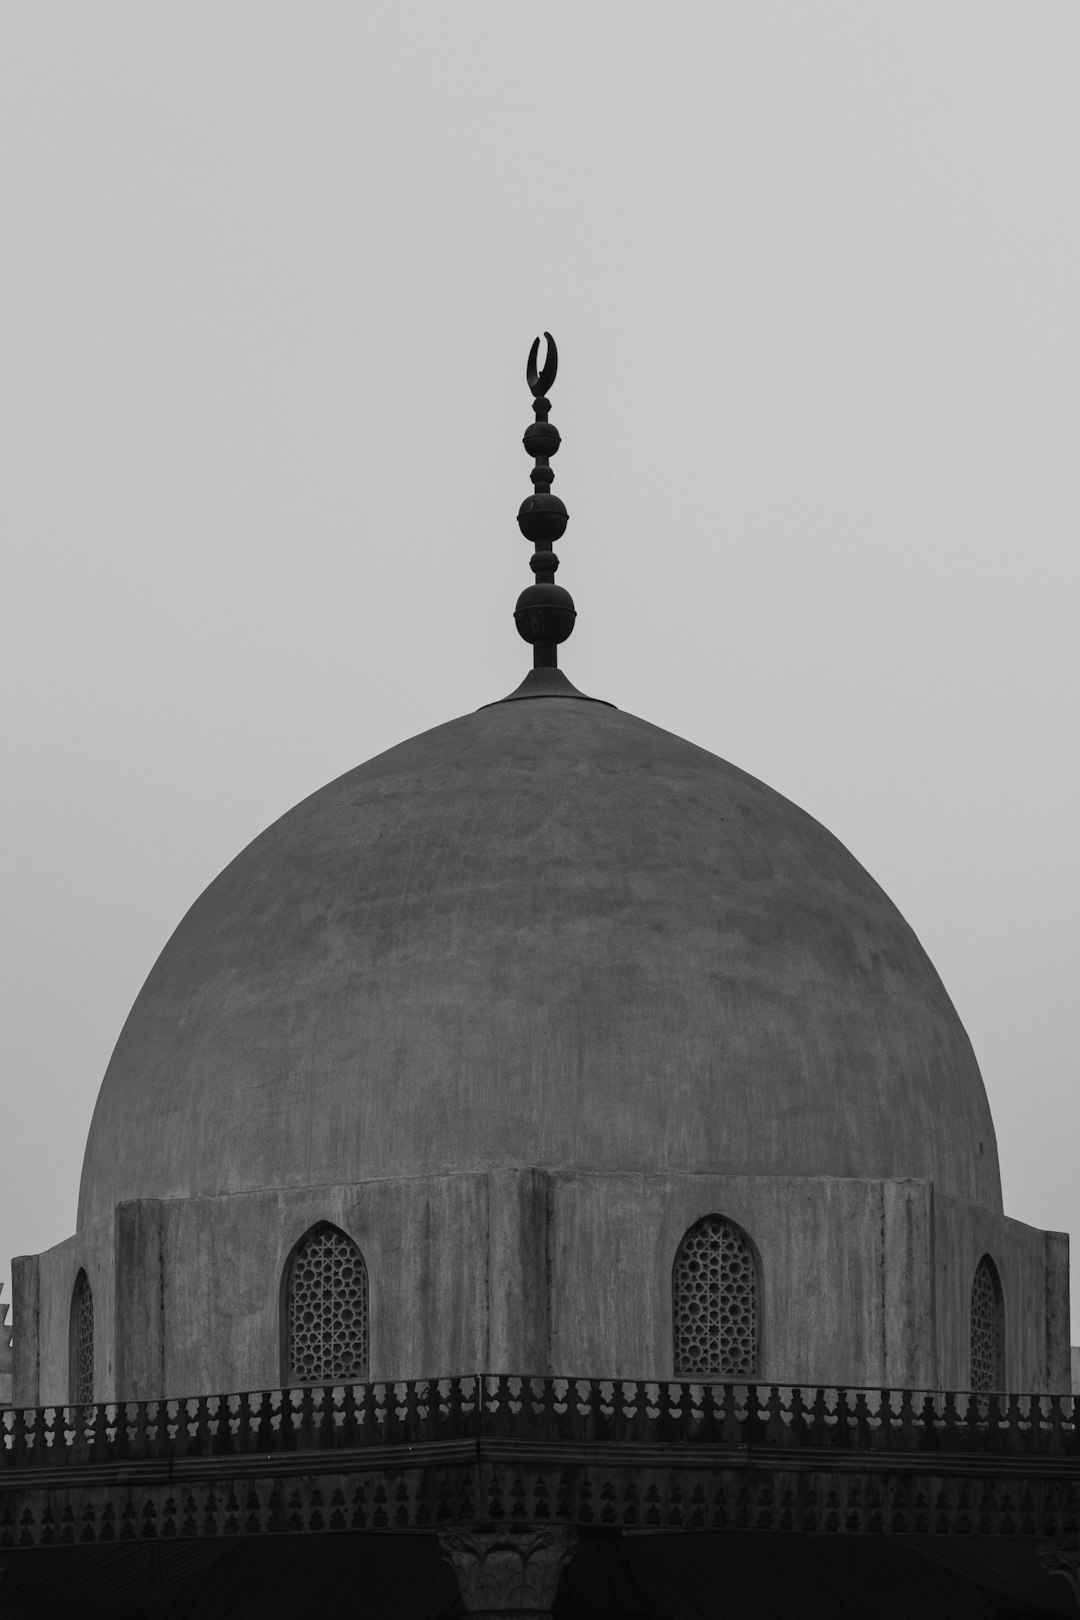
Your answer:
<point x="987" y="1330"/>
<point x="82" y="1341"/>
<point x="715" y="1300"/>
<point x="327" y="1310"/>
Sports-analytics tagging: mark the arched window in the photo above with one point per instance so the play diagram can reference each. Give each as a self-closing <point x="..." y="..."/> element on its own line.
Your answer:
<point x="714" y="1288"/>
<point x="987" y="1329"/>
<point x="326" y="1310"/>
<point x="81" y="1342"/>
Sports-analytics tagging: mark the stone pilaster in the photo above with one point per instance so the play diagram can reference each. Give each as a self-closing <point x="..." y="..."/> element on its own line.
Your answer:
<point x="508" y="1575"/>
<point x="517" y="1334"/>
<point x="140" y="1301"/>
<point x="26" y="1330"/>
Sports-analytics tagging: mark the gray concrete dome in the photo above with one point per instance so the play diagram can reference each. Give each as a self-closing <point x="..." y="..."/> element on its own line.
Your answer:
<point x="545" y="934"/>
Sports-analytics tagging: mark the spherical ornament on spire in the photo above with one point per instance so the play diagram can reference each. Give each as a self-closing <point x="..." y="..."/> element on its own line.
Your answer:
<point x="541" y="439"/>
<point x="544" y="613"/>
<point x="542" y="519"/>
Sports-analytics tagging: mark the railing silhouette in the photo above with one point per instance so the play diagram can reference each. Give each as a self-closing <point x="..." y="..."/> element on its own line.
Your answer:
<point x="574" y="1411"/>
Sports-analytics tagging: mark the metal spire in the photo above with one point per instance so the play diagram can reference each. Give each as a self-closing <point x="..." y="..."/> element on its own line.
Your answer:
<point x="545" y="613"/>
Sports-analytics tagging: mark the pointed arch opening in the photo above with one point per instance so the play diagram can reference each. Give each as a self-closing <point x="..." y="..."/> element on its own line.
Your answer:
<point x="81" y="1342"/>
<point x="715" y="1298"/>
<point x="987" y="1329"/>
<point x="325" y="1310"/>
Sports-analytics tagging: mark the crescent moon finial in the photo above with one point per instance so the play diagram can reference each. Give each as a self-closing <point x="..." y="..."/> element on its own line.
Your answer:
<point x="539" y="383"/>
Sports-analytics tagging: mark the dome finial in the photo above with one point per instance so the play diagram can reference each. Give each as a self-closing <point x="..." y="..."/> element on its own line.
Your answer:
<point x="544" y="613"/>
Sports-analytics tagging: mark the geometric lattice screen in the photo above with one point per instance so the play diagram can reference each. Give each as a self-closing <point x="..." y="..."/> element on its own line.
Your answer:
<point x="81" y="1364"/>
<point x="987" y="1330"/>
<point x="327" y="1311"/>
<point x="715" y="1302"/>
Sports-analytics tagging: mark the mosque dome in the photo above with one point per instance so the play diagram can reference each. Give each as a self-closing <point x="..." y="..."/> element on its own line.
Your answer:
<point x="546" y="1042"/>
<point x="547" y="934"/>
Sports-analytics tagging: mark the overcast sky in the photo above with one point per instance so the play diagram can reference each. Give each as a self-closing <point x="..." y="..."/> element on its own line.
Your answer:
<point x="270" y="275"/>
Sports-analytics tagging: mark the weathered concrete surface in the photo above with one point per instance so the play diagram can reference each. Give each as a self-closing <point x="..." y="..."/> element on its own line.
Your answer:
<point x="1033" y="1267"/>
<point x="521" y="1270"/>
<point x="862" y="1282"/>
<point x="6" y="1358"/>
<point x="546" y="934"/>
<point x="42" y="1286"/>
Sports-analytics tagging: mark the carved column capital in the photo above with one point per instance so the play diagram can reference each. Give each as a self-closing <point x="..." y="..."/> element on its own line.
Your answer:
<point x="1062" y="1558"/>
<point x="507" y="1574"/>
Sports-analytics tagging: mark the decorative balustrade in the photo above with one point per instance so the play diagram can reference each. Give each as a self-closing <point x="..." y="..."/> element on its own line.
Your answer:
<point x="561" y="1410"/>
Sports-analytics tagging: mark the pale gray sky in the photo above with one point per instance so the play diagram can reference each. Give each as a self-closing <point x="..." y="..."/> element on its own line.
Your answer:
<point x="270" y="275"/>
